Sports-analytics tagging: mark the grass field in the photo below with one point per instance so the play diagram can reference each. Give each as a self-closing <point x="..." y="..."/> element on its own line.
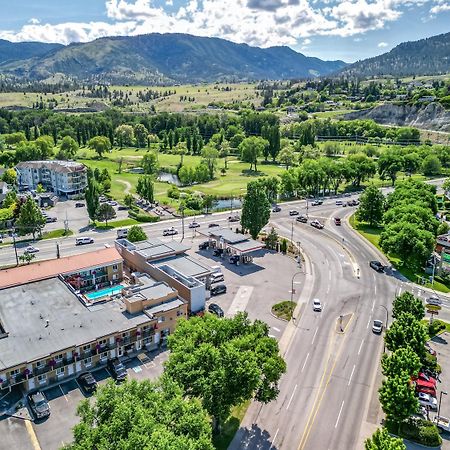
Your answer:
<point x="223" y="440"/>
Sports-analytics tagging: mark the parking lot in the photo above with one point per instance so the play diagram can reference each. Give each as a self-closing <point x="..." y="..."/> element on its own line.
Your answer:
<point x="63" y="399"/>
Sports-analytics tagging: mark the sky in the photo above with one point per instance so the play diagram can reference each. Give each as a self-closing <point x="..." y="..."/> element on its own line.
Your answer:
<point x="349" y="30"/>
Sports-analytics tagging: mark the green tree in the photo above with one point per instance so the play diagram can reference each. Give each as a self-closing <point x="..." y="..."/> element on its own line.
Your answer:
<point x="100" y="144"/>
<point x="10" y="177"/>
<point x="150" y="163"/>
<point x="208" y="202"/>
<point x="407" y="331"/>
<point x="68" y="148"/>
<point x="224" y="362"/>
<point x="272" y="239"/>
<point x="124" y="135"/>
<point x="106" y="212"/>
<point x="359" y="167"/>
<point x="30" y="218"/>
<point x="128" y="200"/>
<point x="14" y="138"/>
<point x="389" y="164"/>
<point x="44" y="144"/>
<point x="407" y="303"/>
<point x="287" y="156"/>
<point x="40" y="189"/>
<point x="210" y="156"/>
<point x="382" y="440"/>
<point x="141" y="415"/>
<point x="136" y="234"/>
<point x="91" y="195"/>
<point x="397" y="398"/>
<point x="141" y="134"/>
<point x="371" y="207"/>
<point x="251" y="148"/>
<point x="255" y="209"/>
<point x="431" y="165"/>
<point x="145" y="189"/>
<point x="10" y="199"/>
<point x="27" y="258"/>
<point x="403" y="360"/>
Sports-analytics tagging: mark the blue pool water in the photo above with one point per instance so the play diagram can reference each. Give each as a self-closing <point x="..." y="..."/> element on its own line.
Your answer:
<point x="104" y="292"/>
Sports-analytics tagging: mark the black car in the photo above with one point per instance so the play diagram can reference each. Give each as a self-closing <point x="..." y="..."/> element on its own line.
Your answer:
<point x="234" y="259"/>
<point x="218" y="251"/>
<point x="376" y="265"/>
<point x="215" y="309"/>
<point x="302" y="219"/>
<point x="79" y="205"/>
<point x="39" y="405"/>
<point x="203" y="245"/>
<point x="212" y="225"/>
<point x="219" y="289"/>
<point x="117" y="369"/>
<point x="276" y="209"/>
<point x="234" y="219"/>
<point x="293" y="212"/>
<point x="87" y="382"/>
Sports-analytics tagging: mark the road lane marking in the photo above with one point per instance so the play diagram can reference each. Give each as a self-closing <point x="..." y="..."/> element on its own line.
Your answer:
<point x="304" y="364"/>
<point x="373" y="305"/>
<point x="32" y="435"/>
<point x="375" y="289"/>
<point x="368" y="323"/>
<point x="292" y="396"/>
<point x="276" y="434"/>
<point x="276" y="329"/>
<point x="351" y="375"/>
<point x="339" y="415"/>
<point x="314" y="337"/>
<point x="399" y="290"/>
<point x="360" y="347"/>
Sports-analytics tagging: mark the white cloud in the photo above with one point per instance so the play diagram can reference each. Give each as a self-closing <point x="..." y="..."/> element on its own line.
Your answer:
<point x="441" y="6"/>
<point x="34" y="21"/>
<point x="255" y="22"/>
<point x="382" y="44"/>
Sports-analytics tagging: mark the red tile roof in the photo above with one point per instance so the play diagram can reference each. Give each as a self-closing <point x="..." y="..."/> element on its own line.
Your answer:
<point x="52" y="268"/>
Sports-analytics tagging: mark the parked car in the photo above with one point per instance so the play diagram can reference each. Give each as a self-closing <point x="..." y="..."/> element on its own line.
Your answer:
<point x="170" y="231"/>
<point x="117" y="369"/>
<point x="430" y="350"/>
<point x="31" y="249"/>
<point x="79" y="205"/>
<point x="215" y="309"/>
<point x="112" y="203"/>
<point x="293" y="212"/>
<point x="84" y="240"/>
<point x="302" y="219"/>
<point x="234" y="259"/>
<point x="216" y="277"/>
<point x="424" y="378"/>
<point x="87" y="382"/>
<point x="339" y="202"/>
<point x="316" y="224"/>
<point x="376" y="265"/>
<point x="218" y="251"/>
<point x="276" y="209"/>
<point x="431" y="391"/>
<point x="204" y="245"/>
<point x="434" y="300"/>
<point x="212" y="225"/>
<point x="219" y="289"/>
<point x="317" y="306"/>
<point x="377" y="326"/>
<point x="122" y="233"/>
<point x="427" y="400"/>
<point x="122" y="208"/>
<point x="337" y="221"/>
<point x="39" y="405"/>
<point x="234" y="219"/>
<point x="194" y="225"/>
<point x="49" y="219"/>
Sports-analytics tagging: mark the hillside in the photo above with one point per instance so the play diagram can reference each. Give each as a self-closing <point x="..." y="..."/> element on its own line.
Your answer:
<point x="14" y="51"/>
<point x="425" y="57"/>
<point x="180" y="58"/>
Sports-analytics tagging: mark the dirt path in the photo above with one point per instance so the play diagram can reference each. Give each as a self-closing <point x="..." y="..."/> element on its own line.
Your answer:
<point x="127" y="186"/>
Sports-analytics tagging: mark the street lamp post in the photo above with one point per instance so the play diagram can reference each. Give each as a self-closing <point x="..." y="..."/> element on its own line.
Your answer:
<point x="387" y="321"/>
<point x="292" y="291"/>
<point x="440" y="401"/>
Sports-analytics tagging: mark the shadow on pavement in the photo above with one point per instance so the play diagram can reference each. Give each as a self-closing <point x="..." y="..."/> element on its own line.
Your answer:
<point x="253" y="438"/>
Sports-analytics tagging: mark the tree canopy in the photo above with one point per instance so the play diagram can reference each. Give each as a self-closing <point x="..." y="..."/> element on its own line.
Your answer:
<point x="255" y="209"/>
<point x="382" y="440"/>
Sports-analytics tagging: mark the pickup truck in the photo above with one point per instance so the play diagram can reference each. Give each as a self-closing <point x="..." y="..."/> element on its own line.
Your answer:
<point x="442" y="422"/>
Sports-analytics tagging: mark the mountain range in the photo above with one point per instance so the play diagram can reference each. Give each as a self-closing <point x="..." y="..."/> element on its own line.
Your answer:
<point x="160" y="58"/>
<point x="429" y="56"/>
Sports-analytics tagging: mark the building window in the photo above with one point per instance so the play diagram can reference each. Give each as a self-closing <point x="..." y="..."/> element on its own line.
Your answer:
<point x="148" y="340"/>
<point x="59" y="357"/>
<point x="126" y="334"/>
<point x="59" y="371"/>
<point x="14" y="372"/>
<point x="86" y="348"/>
<point x="88" y="361"/>
<point x="102" y="342"/>
<point x="115" y="267"/>
<point x="40" y="364"/>
<point x="42" y="378"/>
<point x="180" y="313"/>
<point x="145" y="327"/>
<point x="161" y="319"/>
<point x="104" y="355"/>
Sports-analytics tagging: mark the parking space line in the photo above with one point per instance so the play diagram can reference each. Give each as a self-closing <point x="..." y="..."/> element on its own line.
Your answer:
<point x="32" y="435"/>
<point x="62" y="392"/>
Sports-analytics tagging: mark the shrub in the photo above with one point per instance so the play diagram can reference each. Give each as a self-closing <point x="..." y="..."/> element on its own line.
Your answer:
<point x="142" y="217"/>
<point x="173" y="192"/>
<point x="435" y="327"/>
<point x="429" y="435"/>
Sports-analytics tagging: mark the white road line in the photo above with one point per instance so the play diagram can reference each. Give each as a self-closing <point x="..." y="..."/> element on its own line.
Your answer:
<point x="276" y="329"/>
<point x="351" y="375"/>
<point x="329" y="276"/>
<point x="368" y="323"/>
<point x="272" y="336"/>
<point x="62" y="392"/>
<point x="304" y="364"/>
<point x="339" y="415"/>
<point x="314" y="337"/>
<point x="292" y="396"/>
<point x="373" y="305"/>
<point x="328" y="289"/>
<point x="360" y="346"/>
<point x="276" y="434"/>
<point x="399" y="290"/>
<point x="375" y="288"/>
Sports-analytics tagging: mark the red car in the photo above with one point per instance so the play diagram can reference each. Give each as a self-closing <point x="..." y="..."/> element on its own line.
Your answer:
<point x="337" y="220"/>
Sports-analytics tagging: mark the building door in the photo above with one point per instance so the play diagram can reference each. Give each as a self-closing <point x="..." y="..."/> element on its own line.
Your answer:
<point x="31" y="383"/>
<point x="120" y="352"/>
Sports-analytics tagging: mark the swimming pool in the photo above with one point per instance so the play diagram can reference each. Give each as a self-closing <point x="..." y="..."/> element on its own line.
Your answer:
<point x="104" y="292"/>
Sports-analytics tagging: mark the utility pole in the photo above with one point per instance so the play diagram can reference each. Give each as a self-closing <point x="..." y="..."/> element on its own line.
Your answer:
<point x="15" y="247"/>
<point x="387" y="322"/>
<point x="182" y="221"/>
<point x="58" y="255"/>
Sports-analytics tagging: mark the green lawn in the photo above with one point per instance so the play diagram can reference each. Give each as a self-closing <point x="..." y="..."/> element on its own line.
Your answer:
<point x="284" y="309"/>
<point x="117" y="224"/>
<point x="56" y="234"/>
<point x="223" y="440"/>
<point x="372" y="234"/>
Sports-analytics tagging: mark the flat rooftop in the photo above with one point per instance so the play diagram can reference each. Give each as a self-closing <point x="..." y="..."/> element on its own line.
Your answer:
<point x="184" y="265"/>
<point x="25" y="309"/>
<point x="51" y="268"/>
<point x="228" y="235"/>
<point x="154" y="248"/>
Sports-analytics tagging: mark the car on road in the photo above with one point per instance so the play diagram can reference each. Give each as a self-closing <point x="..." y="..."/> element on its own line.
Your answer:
<point x="87" y="382"/>
<point x="234" y="259"/>
<point x="194" y="225"/>
<point x="31" y="249"/>
<point x="49" y="219"/>
<point x="219" y="289"/>
<point x="79" y="205"/>
<point x="276" y="209"/>
<point x="337" y="221"/>
<point x="122" y="208"/>
<point x="317" y="306"/>
<point x="204" y="245"/>
<point x="316" y="203"/>
<point x="377" y="326"/>
<point x="170" y="231"/>
<point x="339" y="202"/>
<point x="117" y="369"/>
<point x="316" y="224"/>
<point x="213" y="225"/>
<point x="427" y="400"/>
<point x="234" y="219"/>
<point x="302" y="219"/>
<point x="376" y="265"/>
<point x="39" y="405"/>
<point x="215" y="309"/>
<point x="84" y="241"/>
<point x="112" y="203"/>
<point x="434" y="300"/>
<point x="293" y="212"/>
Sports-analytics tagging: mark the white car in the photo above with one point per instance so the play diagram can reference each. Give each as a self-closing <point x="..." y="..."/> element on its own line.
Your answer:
<point x="194" y="225"/>
<point x="31" y="249"/>
<point x="377" y="326"/>
<point x="427" y="400"/>
<point x="433" y="300"/>
<point x="339" y="202"/>
<point x="170" y="232"/>
<point x="317" y="306"/>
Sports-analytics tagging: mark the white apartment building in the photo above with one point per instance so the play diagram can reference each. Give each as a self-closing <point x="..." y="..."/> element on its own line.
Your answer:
<point x="60" y="177"/>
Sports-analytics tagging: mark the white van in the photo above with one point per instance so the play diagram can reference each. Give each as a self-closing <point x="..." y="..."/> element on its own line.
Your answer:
<point x="122" y="233"/>
<point x="84" y="240"/>
<point x="216" y="277"/>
